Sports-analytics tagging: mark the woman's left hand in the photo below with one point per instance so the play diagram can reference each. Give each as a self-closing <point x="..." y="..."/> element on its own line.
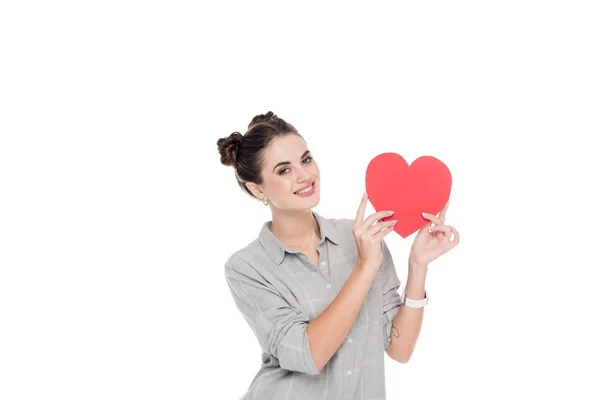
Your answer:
<point x="432" y="241"/>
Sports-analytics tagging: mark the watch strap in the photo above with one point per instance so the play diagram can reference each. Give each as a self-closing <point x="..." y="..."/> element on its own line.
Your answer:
<point x="414" y="303"/>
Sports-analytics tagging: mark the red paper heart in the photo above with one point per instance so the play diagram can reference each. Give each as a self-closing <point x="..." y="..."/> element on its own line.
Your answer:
<point x="392" y="184"/>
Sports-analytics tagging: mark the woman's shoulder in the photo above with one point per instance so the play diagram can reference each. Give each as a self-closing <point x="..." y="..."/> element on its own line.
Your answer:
<point x="244" y="253"/>
<point x="246" y="260"/>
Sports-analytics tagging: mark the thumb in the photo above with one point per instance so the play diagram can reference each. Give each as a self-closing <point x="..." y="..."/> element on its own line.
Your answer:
<point x="426" y="227"/>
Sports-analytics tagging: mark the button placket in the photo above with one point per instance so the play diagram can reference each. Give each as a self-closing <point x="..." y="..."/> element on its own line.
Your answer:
<point x="323" y="252"/>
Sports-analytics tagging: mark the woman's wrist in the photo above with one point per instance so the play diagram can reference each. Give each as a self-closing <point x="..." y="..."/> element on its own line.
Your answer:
<point x="417" y="269"/>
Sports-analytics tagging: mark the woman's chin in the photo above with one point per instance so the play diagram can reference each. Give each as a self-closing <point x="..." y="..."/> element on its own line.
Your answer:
<point x="306" y="202"/>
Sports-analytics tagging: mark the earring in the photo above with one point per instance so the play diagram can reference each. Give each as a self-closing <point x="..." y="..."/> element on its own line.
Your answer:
<point x="266" y="201"/>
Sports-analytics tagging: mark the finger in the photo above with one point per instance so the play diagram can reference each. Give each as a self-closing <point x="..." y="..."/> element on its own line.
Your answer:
<point x="446" y="230"/>
<point x="360" y="214"/>
<point x="443" y="212"/>
<point x="380" y="226"/>
<point x="432" y="218"/>
<point x="456" y="236"/>
<point x="441" y="228"/>
<point x="377" y="216"/>
<point x="383" y="232"/>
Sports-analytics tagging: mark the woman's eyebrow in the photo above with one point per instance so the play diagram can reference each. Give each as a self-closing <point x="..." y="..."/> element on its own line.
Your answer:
<point x="288" y="162"/>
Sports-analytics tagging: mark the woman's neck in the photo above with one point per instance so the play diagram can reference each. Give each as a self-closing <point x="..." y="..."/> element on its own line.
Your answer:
<point x="296" y="229"/>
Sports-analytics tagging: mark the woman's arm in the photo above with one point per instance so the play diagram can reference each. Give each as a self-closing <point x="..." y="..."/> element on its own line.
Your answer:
<point x="328" y="330"/>
<point x="408" y="321"/>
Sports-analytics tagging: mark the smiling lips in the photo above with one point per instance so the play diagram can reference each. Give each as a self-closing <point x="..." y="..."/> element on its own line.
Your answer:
<point x="306" y="191"/>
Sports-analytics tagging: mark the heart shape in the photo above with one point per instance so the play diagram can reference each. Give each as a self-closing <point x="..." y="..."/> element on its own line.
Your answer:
<point x="392" y="184"/>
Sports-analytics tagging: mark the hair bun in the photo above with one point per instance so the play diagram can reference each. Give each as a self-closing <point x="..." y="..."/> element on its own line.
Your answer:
<point x="262" y="118"/>
<point x="228" y="148"/>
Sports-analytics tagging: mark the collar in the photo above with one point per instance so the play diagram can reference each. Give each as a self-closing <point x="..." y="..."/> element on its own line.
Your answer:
<point x="276" y="249"/>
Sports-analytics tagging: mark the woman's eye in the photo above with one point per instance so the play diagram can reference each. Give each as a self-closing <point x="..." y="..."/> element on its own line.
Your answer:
<point x="281" y="171"/>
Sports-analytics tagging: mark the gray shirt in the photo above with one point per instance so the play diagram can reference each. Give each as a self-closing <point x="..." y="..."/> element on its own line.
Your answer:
<point x="279" y="290"/>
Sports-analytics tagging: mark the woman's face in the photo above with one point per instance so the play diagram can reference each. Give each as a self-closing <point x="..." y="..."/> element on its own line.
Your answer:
<point x="287" y="168"/>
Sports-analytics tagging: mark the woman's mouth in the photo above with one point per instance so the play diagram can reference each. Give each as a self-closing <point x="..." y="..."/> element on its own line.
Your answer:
<point x="306" y="192"/>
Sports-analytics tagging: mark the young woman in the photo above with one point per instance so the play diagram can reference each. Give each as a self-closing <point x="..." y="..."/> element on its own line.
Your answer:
<point x="320" y="294"/>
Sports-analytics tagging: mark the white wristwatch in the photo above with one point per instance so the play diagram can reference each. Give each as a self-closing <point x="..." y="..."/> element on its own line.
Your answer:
<point x="414" y="303"/>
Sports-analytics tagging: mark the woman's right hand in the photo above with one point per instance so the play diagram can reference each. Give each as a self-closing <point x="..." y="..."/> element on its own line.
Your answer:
<point x="368" y="235"/>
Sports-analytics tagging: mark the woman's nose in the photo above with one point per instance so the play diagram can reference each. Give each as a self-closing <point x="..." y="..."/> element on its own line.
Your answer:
<point x="302" y="176"/>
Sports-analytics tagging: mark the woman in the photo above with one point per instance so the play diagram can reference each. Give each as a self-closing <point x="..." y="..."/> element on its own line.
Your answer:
<point x="320" y="294"/>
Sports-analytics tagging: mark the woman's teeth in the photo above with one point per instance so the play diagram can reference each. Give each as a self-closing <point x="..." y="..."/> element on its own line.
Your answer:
<point x="308" y="189"/>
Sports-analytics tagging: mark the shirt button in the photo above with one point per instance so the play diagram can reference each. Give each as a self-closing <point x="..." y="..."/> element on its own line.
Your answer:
<point x="328" y="286"/>
<point x="323" y="263"/>
<point x="349" y="340"/>
<point x="349" y="372"/>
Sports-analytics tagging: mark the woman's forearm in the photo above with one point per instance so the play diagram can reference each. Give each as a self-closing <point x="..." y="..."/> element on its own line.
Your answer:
<point x="328" y="330"/>
<point x="408" y="321"/>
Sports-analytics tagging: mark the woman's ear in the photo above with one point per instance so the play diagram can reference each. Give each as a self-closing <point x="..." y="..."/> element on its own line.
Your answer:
<point x="255" y="189"/>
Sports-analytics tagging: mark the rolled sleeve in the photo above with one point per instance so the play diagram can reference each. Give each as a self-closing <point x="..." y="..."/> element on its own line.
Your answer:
<point x="391" y="297"/>
<point x="279" y="327"/>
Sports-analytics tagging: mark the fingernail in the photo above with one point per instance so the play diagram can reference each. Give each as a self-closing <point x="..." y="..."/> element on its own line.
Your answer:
<point x="424" y="214"/>
<point x="390" y="212"/>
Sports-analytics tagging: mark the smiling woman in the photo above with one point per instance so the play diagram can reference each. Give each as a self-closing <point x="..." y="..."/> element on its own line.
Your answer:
<point x="269" y="139"/>
<point x="310" y="287"/>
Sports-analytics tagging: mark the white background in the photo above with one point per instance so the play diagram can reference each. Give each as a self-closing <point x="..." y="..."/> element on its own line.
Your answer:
<point x="116" y="215"/>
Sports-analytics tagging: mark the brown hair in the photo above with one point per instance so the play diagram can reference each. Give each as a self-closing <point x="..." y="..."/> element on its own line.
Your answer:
<point x="245" y="152"/>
